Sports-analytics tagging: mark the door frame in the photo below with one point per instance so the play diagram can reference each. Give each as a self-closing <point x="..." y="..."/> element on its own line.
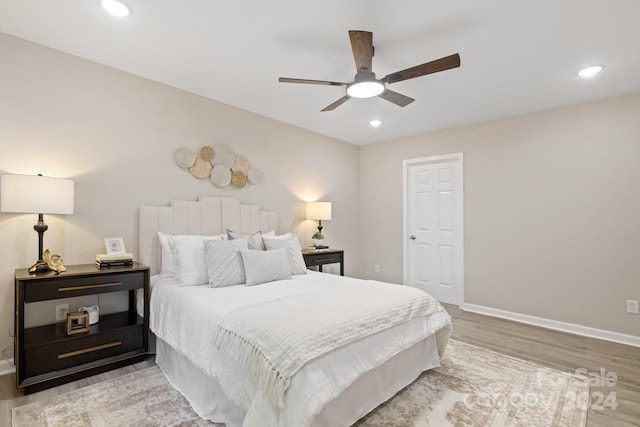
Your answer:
<point x="457" y="158"/>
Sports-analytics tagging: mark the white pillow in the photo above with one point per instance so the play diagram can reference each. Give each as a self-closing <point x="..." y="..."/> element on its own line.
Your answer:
<point x="224" y="263"/>
<point x="294" y="252"/>
<point x="265" y="266"/>
<point x="255" y="239"/>
<point x="188" y="255"/>
<point x="167" y="269"/>
<point x="272" y="235"/>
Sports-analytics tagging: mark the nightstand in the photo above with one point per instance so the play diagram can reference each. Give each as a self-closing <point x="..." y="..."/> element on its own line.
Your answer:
<point x="320" y="257"/>
<point x="46" y="356"/>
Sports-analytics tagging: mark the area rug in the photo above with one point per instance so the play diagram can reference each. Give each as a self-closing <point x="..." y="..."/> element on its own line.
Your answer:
<point x="473" y="387"/>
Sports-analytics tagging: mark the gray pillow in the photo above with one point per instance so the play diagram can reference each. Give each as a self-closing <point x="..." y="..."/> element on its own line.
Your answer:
<point x="294" y="252"/>
<point x="224" y="264"/>
<point x="265" y="266"/>
<point x="255" y="239"/>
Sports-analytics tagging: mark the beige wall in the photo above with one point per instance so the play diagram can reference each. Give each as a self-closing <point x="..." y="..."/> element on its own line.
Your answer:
<point x="115" y="135"/>
<point x="552" y="211"/>
<point x="552" y="223"/>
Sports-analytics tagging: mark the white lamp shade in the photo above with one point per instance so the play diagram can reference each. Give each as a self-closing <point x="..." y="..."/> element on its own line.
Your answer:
<point x="319" y="210"/>
<point x="36" y="194"/>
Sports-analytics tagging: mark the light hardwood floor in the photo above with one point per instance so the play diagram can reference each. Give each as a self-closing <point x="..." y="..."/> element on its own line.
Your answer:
<point x="553" y="349"/>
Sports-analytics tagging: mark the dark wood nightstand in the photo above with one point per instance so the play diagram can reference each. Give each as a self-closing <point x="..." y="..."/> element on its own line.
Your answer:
<point x="320" y="257"/>
<point x="46" y="356"/>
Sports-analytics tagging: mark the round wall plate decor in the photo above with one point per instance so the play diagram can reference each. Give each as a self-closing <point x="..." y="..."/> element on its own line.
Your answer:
<point x="185" y="158"/>
<point x="221" y="176"/>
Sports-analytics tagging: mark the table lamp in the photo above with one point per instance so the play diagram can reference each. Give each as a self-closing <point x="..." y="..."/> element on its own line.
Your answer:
<point x="36" y="194"/>
<point x="319" y="211"/>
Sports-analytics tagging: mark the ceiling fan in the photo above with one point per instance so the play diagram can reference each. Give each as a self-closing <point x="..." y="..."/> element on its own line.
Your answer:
<point x="365" y="84"/>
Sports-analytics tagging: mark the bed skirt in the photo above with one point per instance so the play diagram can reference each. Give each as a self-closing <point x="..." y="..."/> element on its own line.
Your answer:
<point x="209" y="401"/>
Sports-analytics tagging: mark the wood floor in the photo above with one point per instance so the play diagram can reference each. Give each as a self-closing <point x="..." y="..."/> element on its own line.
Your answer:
<point x="553" y="349"/>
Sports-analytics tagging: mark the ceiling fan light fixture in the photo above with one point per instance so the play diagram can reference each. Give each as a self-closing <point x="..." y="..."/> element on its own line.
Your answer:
<point x="365" y="89"/>
<point x="115" y="8"/>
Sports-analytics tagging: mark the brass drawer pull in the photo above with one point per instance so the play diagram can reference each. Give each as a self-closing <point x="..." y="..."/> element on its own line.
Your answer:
<point x="78" y="288"/>
<point x="89" y="350"/>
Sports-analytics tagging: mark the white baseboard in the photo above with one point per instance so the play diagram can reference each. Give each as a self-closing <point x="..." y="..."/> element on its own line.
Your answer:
<point x="556" y="325"/>
<point x="6" y="367"/>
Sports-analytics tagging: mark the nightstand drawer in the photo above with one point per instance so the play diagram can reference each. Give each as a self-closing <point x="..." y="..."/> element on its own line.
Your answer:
<point x="63" y="287"/>
<point x="320" y="259"/>
<point x="78" y="350"/>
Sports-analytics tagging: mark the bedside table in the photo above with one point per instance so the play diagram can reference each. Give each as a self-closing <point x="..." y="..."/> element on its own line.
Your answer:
<point x="320" y="257"/>
<point x="46" y="356"/>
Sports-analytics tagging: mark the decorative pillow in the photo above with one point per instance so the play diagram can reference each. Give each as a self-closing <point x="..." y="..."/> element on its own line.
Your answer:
<point x="188" y="254"/>
<point x="255" y="239"/>
<point x="265" y="266"/>
<point x="167" y="269"/>
<point x="224" y="263"/>
<point x="272" y="235"/>
<point x="294" y="252"/>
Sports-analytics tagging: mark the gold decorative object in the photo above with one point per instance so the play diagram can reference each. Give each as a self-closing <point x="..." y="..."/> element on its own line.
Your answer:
<point x="239" y="179"/>
<point x="241" y="164"/>
<point x="77" y="323"/>
<point x="201" y="168"/>
<point x="52" y="262"/>
<point x="206" y="153"/>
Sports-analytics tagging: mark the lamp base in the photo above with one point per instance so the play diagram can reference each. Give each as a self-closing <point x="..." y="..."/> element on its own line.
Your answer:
<point x="39" y="267"/>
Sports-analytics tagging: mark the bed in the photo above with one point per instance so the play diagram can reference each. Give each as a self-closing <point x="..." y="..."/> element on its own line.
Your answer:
<point x="224" y="380"/>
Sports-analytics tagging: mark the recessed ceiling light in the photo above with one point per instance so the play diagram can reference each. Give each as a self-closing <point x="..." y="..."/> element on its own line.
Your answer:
<point x="590" y="71"/>
<point x="115" y="8"/>
<point x="375" y="123"/>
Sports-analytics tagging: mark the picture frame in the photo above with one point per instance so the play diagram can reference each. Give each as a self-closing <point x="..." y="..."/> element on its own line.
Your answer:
<point x="114" y="245"/>
<point x="77" y="323"/>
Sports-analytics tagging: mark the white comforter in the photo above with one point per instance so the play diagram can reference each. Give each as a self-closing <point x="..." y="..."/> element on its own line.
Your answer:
<point x="187" y="318"/>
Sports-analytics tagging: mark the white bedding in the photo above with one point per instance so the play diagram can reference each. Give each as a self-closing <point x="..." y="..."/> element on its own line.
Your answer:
<point x="187" y="317"/>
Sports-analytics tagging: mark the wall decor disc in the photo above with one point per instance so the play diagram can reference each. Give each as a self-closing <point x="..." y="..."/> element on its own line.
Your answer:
<point x="206" y="153"/>
<point x="241" y="164"/>
<point x="201" y="168"/>
<point x="255" y="176"/>
<point x="225" y="158"/>
<point x="239" y="179"/>
<point x="185" y="158"/>
<point x="221" y="176"/>
<point x="219" y="148"/>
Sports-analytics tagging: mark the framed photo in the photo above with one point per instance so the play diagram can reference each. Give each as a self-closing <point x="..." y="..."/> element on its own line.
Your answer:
<point x="114" y="245"/>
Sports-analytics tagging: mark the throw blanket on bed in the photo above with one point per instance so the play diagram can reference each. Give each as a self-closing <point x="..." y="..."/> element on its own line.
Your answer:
<point x="275" y="339"/>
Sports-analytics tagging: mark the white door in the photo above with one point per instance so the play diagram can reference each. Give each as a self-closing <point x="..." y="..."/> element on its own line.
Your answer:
<point x="433" y="226"/>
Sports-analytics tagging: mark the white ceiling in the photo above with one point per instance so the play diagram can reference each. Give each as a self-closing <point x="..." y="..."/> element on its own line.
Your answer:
<point x="517" y="56"/>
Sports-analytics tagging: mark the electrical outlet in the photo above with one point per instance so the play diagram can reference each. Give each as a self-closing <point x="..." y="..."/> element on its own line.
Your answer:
<point x="632" y="306"/>
<point x="61" y="312"/>
<point x="376" y="268"/>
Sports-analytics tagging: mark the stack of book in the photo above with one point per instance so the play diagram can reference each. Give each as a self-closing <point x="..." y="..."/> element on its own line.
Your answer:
<point x="114" y="260"/>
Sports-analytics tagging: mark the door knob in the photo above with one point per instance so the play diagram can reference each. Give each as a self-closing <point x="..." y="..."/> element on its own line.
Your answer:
<point x="412" y="237"/>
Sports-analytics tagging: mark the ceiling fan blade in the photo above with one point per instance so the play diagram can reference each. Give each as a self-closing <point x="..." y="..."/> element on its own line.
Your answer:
<point x="362" y="46"/>
<point x="396" y="98"/>
<point x="336" y="104"/>
<point x="442" y="64"/>
<point x="310" y="82"/>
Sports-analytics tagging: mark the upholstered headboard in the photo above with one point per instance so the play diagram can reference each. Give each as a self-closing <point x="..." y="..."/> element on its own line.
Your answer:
<point x="208" y="216"/>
